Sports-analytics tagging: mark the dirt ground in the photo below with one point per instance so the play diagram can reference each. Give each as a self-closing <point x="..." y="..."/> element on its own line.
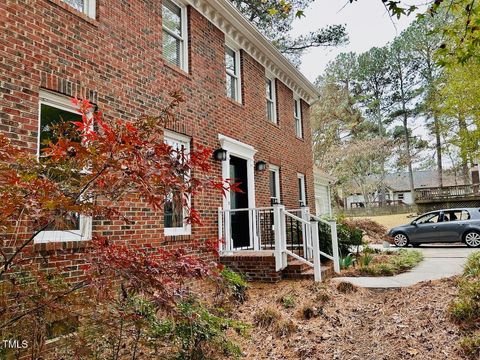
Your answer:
<point x="408" y="323"/>
<point x="390" y="221"/>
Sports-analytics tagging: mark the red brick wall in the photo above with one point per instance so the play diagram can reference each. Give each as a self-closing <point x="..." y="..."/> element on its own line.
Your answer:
<point x="116" y="62"/>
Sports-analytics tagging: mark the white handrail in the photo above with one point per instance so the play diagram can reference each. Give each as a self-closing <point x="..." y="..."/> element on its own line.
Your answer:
<point x="246" y="209"/>
<point x="296" y="218"/>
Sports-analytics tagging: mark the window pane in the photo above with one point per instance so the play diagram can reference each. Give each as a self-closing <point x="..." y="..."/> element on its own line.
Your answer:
<point x="173" y="212"/>
<point x="269" y="89"/>
<point x="230" y="61"/>
<point x="273" y="187"/>
<point x="172" y="17"/>
<point x="49" y="116"/>
<point x="231" y="87"/>
<point x="77" y="4"/>
<point x="298" y="127"/>
<point x="172" y="49"/>
<point x="295" y="110"/>
<point x="270" y="110"/>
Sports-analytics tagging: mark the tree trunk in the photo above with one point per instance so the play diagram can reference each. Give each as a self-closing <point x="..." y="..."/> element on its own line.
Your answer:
<point x="409" y="156"/>
<point x="463" y="129"/>
<point x="438" y="149"/>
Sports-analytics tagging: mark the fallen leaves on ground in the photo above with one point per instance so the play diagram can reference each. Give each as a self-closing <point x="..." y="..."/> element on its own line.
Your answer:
<point x="408" y="323"/>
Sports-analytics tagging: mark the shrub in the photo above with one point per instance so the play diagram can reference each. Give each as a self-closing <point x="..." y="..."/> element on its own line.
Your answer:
<point x="346" y="287"/>
<point x="266" y="317"/>
<point x="470" y="346"/>
<point x="372" y="229"/>
<point x="365" y="259"/>
<point x="234" y="284"/>
<point x="347" y="261"/>
<point x="347" y="237"/>
<point x="472" y="266"/>
<point x="285" y="328"/>
<point x="288" y="301"/>
<point x="466" y="309"/>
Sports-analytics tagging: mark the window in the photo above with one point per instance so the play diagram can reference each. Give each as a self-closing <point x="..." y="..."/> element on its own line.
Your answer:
<point x="85" y="6"/>
<point x="302" y="199"/>
<point x="274" y="181"/>
<point x="401" y="196"/>
<point x="54" y="109"/>
<point x="456" y="215"/>
<point x="428" y="218"/>
<point x="174" y="20"/>
<point x="270" y="94"/>
<point x="174" y="210"/>
<point x="297" y="112"/>
<point x="232" y="67"/>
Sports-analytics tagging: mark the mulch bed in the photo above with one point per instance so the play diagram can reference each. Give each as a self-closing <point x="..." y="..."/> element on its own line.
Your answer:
<point x="408" y="323"/>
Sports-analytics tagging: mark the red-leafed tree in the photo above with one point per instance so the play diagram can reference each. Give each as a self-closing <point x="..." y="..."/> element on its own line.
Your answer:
<point x="89" y="168"/>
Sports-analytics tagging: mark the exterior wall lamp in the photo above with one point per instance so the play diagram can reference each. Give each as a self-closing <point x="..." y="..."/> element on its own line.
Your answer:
<point x="260" y="165"/>
<point x="220" y="154"/>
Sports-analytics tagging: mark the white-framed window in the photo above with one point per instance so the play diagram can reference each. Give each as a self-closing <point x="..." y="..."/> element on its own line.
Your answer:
<point x="232" y="69"/>
<point x="88" y="7"/>
<point x="175" y="34"/>
<point x="302" y="198"/>
<point x="271" y="102"/>
<point x="175" y="213"/>
<point x="54" y="109"/>
<point x="297" y="113"/>
<point x="401" y="196"/>
<point x="274" y="184"/>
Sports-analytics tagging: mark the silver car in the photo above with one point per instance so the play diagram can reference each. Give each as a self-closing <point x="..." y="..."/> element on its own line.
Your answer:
<point x="440" y="226"/>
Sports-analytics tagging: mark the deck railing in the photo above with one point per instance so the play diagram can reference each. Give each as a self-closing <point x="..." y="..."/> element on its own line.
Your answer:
<point x="447" y="192"/>
<point x="293" y="233"/>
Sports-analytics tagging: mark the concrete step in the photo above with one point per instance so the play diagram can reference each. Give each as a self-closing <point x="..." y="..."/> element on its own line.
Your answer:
<point x="327" y="271"/>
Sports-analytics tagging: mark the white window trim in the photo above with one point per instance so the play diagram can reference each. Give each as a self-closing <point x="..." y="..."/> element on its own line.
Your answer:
<point x="238" y="73"/>
<point x="303" y="200"/>
<point x="85" y="229"/>
<point x="298" y="119"/>
<point x="186" y="229"/>
<point x="276" y="170"/>
<point x="183" y="37"/>
<point x="273" y="99"/>
<point x="89" y="8"/>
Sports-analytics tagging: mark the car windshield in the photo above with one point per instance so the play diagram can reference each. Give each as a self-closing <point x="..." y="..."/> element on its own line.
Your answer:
<point x="428" y="218"/>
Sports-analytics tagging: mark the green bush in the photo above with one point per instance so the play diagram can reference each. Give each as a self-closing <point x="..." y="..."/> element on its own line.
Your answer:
<point x="465" y="310"/>
<point x="288" y="301"/>
<point x="347" y="237"/>
<point x="235" y="284"/>
<point x="199" y="333"/>
<point x="470" y="346"/>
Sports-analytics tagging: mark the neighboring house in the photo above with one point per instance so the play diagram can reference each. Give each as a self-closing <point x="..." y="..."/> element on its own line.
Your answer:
<point x="242" y="96"/>
<point x="398" y="188"/>
<point x="323" y="197"/>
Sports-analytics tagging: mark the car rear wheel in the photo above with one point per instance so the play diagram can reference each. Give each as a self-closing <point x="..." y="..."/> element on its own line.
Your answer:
<point x="400" y="240"/>
<point x="472" y="239"/>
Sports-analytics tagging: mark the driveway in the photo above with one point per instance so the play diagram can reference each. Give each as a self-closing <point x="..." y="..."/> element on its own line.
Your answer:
<point x="440" y="261"/>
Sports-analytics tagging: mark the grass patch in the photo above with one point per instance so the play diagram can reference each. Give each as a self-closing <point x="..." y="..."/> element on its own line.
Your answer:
<point x="386" y="264"/>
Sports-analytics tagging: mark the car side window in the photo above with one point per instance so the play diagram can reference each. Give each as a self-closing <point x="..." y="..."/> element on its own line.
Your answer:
<point x="457" y="215"/>
<point x="429" y="219"/>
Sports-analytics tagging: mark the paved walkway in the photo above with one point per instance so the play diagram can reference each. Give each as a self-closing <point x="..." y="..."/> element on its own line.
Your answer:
<point x="440" y="261"/>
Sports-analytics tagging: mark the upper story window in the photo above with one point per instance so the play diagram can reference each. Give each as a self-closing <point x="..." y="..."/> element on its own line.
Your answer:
<point x="174" y="24"/>
<point x="297" y="112"/>
<point x="175" y="211"/>
<point x="55" y="109"/>
<point x="88" y="7"/>
<point x="271" y="103"/>
<point x="232" y="68"/>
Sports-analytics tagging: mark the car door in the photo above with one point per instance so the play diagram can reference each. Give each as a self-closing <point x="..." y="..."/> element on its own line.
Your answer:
<point x="426" y="228"/>
<point x="457" y="220"/>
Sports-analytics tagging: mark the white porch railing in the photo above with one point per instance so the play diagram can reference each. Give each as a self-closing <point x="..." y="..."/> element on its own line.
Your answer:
<point x="293" y="233"/>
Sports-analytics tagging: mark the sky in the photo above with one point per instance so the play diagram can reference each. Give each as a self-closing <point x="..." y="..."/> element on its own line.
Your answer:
<point x="367" y="23"/>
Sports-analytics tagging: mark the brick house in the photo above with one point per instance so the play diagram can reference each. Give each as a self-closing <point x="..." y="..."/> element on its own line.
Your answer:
<point x="126" y="56"/>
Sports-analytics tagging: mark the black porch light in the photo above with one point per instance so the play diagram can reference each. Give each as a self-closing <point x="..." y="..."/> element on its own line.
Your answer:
<point x="220" y="154"/>
<point x="260" y="165"/>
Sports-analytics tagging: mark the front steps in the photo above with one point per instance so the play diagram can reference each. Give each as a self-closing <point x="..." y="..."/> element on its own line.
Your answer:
<point x="260" y="266"/>
<point x="297" y="269"/>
